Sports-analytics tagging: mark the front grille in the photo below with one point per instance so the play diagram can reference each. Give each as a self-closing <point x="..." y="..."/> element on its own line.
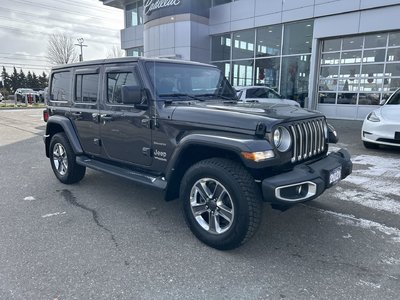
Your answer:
<point x="308" y="139"/>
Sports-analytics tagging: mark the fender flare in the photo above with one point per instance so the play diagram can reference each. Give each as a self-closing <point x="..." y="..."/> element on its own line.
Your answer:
<point x="68" y="129"/>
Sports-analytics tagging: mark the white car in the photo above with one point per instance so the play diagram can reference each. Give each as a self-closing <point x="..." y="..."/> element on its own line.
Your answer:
<point x="382" y="126"/>
<point x="262" y="94"/>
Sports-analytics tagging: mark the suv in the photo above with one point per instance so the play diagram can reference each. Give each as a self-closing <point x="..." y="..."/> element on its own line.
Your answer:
<point x="178" y="127"/>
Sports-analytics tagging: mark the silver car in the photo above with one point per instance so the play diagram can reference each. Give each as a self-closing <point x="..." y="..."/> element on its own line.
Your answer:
<point x="262" y="94"/>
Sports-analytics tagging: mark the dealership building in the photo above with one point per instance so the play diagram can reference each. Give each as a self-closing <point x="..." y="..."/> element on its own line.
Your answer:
<point x="341" y="57"/>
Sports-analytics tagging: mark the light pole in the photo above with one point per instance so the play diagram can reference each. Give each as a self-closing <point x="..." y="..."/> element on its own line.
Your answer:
<point x="81" y="45"/>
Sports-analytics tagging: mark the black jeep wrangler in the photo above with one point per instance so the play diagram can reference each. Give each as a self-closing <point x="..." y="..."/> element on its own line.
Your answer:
<point x="178" y="127"/>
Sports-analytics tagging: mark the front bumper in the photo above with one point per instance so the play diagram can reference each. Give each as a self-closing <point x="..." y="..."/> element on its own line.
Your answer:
<point x="307" y="181"/>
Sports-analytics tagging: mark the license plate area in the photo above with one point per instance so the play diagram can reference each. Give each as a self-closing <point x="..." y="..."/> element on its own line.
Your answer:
<point x="335" y="175"/>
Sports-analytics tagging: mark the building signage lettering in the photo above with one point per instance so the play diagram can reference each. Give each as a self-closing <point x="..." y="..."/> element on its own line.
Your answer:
<point x="152" y="5"/>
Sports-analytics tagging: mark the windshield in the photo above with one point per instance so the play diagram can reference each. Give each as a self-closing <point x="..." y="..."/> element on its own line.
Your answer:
<point x="171" y="79"/>
<point x="395" y="99"/>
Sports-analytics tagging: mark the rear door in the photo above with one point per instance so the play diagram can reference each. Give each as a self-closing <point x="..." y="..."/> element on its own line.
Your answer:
<point x="125" y="128"/>
<point x="85" y="109"/>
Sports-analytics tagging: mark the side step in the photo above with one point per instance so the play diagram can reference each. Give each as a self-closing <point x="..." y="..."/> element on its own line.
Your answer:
<point x="143" y="178"/>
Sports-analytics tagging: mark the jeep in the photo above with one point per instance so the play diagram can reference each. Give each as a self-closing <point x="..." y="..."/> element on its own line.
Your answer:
<point x="178" y="127"/>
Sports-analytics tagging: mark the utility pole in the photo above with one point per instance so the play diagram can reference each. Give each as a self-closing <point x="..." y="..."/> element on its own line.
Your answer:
<point x="81" y="45"/>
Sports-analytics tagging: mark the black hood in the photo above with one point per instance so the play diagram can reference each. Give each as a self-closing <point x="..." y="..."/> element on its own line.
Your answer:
<point x="239" y="115"/>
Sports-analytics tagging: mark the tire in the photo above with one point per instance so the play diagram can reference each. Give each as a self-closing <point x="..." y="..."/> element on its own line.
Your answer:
<point x="62" y="160"/>
<point x="221" y="203"/>
<point x="369" y="145"/>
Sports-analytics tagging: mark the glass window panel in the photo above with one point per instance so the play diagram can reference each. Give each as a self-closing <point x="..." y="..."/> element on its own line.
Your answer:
<point x="269" y="41"/>
<point x="330" y="58"/>
<point x="347" y="98"/>
<point x="86" y="88"/>
<point x="392" y="69"/>
<point x="331" y="45"/>
<point x="137" y="51"/>
<point x="295" y="77"/>
<point x="371" y="85"/>
<point x="355" y="42"/>
<point x="267" y="72"/>
<point x="393" y="54"/>
<point x="394" y="39"/>
<point x="61" y="86"/>
<point x="377" y="55"/>
<point x="375" y="40"/>
<point x="115" y="82"/>
<point x="369" y="98"/>
<point x="243" y="44"/>
<point x="225" y="67"/>
<point x="298" y="37"/>
<point x="242" y="72"/>
<point x="372" y="70"/>
<point x="349" y="85"/>
<point x="349" y="71"/>
<point x="391" y="84"/>
<point x="327" y="98"/>
<point x="219" y="2"/>
<point x="221" y="47"/>
<point x="328" y="78"/>
<point x="351" y="57"/>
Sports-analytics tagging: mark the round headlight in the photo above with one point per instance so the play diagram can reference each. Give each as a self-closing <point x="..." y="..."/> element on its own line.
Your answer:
<point x="282" y="139"/>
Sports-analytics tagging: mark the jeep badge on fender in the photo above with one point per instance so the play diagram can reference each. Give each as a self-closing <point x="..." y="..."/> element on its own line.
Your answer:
<point x="178" y="127"/>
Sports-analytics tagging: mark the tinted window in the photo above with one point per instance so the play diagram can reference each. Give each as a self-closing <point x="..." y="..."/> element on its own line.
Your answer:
<point x="60" y="86"/>
<point x="395" y="99"/>
<point x="86" y="88"/>
<point x="115" y="82"/>
<point x="261" y="93"/>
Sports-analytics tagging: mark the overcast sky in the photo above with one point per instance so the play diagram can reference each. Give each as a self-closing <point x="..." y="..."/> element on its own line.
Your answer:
<point x="25" y="26"/>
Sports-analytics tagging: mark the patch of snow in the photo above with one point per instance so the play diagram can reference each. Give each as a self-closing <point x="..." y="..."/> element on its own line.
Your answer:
<point x="54" y="214"/>
<point x="29" y="198"/>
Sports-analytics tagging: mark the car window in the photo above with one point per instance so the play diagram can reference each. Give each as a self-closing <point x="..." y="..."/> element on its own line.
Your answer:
<point x="86" y="88"/>
<point x="60" y="86"/>
<point x="395" y="99"/>
<point x="115" y="82"/>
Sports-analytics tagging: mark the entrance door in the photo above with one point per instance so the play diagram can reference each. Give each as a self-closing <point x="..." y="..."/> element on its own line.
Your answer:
<point x="125" y="129"/>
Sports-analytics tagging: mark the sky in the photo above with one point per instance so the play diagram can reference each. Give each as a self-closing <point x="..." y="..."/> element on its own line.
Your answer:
<point x="25" y="26"/>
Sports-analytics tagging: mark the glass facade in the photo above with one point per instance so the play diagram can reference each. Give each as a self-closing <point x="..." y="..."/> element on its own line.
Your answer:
<point x="276" y="56"/>
<point x="137" y="51"/>
<point x="134" y="14"/>
<point x="219" y="2"/>
<point x="359" y="70"/>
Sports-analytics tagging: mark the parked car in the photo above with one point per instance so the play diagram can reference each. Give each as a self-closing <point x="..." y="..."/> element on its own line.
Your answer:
<point x="22" y="92"/>
<point x="382" y="126"/>
<point x="262" y="94"/>
<point x="178" y="127"/>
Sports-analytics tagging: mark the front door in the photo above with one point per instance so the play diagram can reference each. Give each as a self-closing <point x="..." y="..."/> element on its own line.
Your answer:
<point x="124" y="128"/>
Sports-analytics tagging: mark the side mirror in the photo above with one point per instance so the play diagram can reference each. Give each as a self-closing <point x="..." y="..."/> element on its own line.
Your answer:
<point x="332" y="135"/>
<point x="133" y="95"/>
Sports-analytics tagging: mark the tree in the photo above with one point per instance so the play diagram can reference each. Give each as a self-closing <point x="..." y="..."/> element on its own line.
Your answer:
<point x="14" y="80"/>
<point x="22" y="80"/>
<point x="61" y="49"/>
<point x="6" y="79"/>
<point x="35" y="81"/>
<point x="43" y="81"/>
<point x="115" y="52"/>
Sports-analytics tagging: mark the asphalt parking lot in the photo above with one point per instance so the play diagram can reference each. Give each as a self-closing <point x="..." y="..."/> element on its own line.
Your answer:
<point x="107" y="238"/>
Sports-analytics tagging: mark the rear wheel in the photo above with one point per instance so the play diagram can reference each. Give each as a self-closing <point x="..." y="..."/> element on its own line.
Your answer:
<point x="221" y="203"/>
<point x="369" y="145"/>
<point x="62" y="159"/>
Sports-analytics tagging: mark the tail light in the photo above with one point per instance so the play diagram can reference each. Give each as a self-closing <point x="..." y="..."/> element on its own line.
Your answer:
<point x="45" y="115"/>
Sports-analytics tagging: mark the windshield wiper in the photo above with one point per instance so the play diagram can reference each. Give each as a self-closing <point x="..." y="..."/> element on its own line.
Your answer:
<point x="181" y="95"/>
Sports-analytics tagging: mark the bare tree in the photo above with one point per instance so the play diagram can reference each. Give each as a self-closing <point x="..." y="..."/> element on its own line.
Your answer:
<point x="115" y="52"/>
<point x="61" y="49"/>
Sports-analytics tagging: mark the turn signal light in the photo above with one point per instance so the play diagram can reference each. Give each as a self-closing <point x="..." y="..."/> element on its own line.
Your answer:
<point x="258" y="156"/>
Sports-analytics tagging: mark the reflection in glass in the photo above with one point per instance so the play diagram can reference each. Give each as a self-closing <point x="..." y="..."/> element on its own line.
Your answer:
<point x="221" y="47"/>
<point x="355" y="42"/>
<point x="347" y="98"/>
<point x="267" y="72"/>
<point x="298" y="37"/>
<point x="330" y="58"/>
<point x="351" y="57"/>
<point x="327" y="98"/>
<point x="394" y="39"/>
<point x="375" y="40"/>
<point x="269" y="41"/>
<point x="393" y="54"/>
<point x="328" y="78"/>
<point x="225" y="67"/>
<point x="331" y="45"/>
<point x="295" y="77"/>
<point x="372" y="70"/>
<point x="371" y="85"/>
<point x="392" y="69"/>
<point x="371" y="56"/>
<point x="242" y="72"/>
<point x="369" y="98"/>
<point x="243" y="44"/>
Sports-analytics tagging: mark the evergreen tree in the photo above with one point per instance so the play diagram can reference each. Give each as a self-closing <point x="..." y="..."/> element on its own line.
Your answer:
<point x="6" y="79"/>
<point x="43" y="81"/>
<point x="14" y="80"/>
<point x="29" y="80"/>
<point x="22" y="79"/>
<point x="35" y="81"/>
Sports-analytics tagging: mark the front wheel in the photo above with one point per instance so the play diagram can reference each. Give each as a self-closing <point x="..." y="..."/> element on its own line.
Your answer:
<point x="221" y="203"/>
<point x="62" y="159"/>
